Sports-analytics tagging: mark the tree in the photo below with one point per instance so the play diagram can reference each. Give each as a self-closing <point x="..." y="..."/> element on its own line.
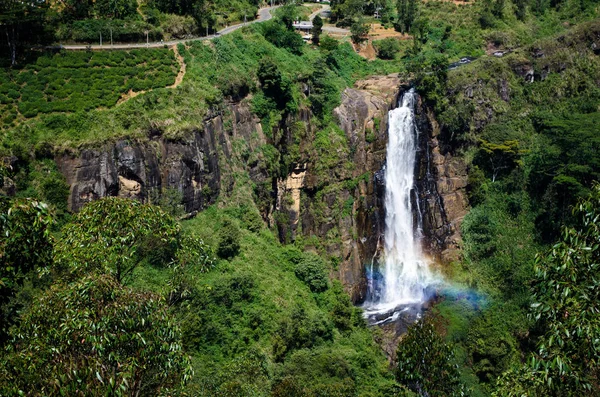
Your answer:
<point x="278" y="35"/>
<point x="25" y="246"/>
<point x="566" y="292"/>
<point x="273" y="83"/>
<point x="95" y="338"/>
<point x="117" y="9"/>
<point x="486" y="16"/>
<point x="566" y="302"/>
<point x="387" y="48"/>
<point x="288" y="15"/>
<point x="499" y="157"/>
<point x="324" y="93"/>
<point x="498" y="9"/>
<point x="21" y="22"/>
<point x="426" y="362"/>
<point x="407" y="13"/>
<point x="317" y="30"/>
<point x="312" y="270"/>
<point x="229" y="240"/>
<point x="107" y="234"/>
<point x="520" y="9"/>
<point x="359" y="31"/>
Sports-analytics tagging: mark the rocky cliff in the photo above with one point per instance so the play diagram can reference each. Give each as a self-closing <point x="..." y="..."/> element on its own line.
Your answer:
<point x="441" y="181"/>
<point x="183" y="171"/>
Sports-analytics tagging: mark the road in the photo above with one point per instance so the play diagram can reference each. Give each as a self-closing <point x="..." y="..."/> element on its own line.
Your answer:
<point x="330" y="29"/>
<point x="264" y="14"/>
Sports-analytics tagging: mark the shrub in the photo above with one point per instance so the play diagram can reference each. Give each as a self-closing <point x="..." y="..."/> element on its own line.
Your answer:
<point x="177" y="26"/>
<point x="299" y="331"/>
<point x="229" y="240"/>
<point x="387" y="48"/>
<point x="426" y="362"/>
<point x="312" y="270"/>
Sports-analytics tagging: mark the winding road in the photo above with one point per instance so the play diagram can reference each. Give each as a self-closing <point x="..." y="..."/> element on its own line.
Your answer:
<point x="330" y="29"/>
<point x="264" y="14"/>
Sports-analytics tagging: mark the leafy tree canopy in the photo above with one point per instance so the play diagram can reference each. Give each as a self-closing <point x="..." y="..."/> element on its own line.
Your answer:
<point x="426" y="363"/>
<point x="107" y="234"/>
<point x="94" y="337"/>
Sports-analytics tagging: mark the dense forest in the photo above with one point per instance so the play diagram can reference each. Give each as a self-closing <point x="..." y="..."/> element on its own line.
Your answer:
<point x="152" y="240"/>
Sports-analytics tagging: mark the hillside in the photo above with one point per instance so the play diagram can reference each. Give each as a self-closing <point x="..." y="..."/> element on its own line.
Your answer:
<point x="207" y="219"/>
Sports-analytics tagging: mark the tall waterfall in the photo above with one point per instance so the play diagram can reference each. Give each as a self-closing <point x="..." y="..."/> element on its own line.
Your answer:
<point x="403" y="275"/>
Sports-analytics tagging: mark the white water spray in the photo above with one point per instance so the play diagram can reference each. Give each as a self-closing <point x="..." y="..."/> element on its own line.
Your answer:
<point x="404" y="273"/>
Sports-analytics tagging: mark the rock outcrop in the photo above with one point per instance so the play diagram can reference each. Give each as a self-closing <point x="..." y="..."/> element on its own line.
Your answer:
<point x="441" y="181"/>
<point x="185" y="170"/>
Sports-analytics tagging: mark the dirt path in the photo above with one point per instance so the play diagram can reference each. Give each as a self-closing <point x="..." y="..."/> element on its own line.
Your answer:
<point x="182" y="65"/>
<point x="178" y="79"/>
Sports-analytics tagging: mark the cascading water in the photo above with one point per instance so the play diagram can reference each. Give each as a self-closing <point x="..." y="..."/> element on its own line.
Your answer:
<point x="403" y="277"/>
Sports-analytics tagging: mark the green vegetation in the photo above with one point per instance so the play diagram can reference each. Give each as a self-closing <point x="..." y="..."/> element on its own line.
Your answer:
<point x="81" y="81"/>
<point x="387" y="48"/>
<point x="113" y="21"/>
<point x="528" y="141"/>
<point x="101" y="339"/>
<point x="426" y="362"/>
<point x="265" y="318"/>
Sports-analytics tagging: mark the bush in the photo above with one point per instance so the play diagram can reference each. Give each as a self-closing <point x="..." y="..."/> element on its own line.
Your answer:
<point x="281" y="37"/>
<point x="229" y="240"/>
<point x="426" y="362"/>
<point x="312" y="270"/>
<point x="387" y="48"/>
<point x="300" y="331"/>
<point x="177" y="26"/>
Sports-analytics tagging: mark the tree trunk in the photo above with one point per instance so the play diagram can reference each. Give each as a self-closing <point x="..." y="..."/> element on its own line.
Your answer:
<point x="12" y="43"/>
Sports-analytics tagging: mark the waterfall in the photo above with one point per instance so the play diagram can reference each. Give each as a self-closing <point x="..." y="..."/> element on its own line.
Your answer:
<point x="403" y="275"/>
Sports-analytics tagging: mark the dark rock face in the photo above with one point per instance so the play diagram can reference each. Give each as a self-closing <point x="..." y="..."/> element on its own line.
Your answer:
<point x="441" y="180"/>
<point x="144" y="170"/>
<point x="189" y="167"/>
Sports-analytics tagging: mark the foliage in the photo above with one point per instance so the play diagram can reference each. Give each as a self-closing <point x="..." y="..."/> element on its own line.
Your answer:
<point x="566" y="295"/>
<point x="23" y="223"/>
<point x="229" y="240"/>
<point x="94" y="80"/>
<point x="387" y="48"/>
<point x="94" y="337"/>
<point x="426" y="363"/>
<point x="300" y="330"/>
<point x="274" y="85"/>
<point x="359" y="31"/>
<point x="325" y="93"/>
<point x="317" y="29"/>
<point x="498" y="158"/>
<point x="407" y="13"/>
<point x="313" y="272"/>
<point x="562" y="169"/>
<point x="106" y="236"/>
<point x="280" y="36"/>
<point x="22" y="23"/>
<point x="25" y="247"/>
<point x="177" y="26"/>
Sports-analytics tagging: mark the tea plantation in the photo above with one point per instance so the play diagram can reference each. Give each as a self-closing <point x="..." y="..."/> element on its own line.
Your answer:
<point x="81" y="81"/>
